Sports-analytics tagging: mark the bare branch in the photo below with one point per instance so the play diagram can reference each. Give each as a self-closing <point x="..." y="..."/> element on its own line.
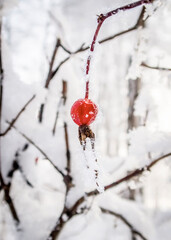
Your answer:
<point x="67" y="179"/>
<point x="73" y="211"/>
<point x="10" y="203"/>
<point x="60" y="65"/>
<point x="17" y="116"/>
<point x="124" y="220"/>
<point x="52" y="63"/>
<point x="61" y="101"/>
<point x="39" y="149"/>
<point x="16" y="165"/>
<point x="49" y="76"/>
<point x="155" y="68"/>
<point x="135" y="173"/>
<point x="68" y="154"/>
<point x="5" y="187"/>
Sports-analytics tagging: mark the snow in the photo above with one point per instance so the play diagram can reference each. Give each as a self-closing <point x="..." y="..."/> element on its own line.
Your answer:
<point x="29" y="33"/>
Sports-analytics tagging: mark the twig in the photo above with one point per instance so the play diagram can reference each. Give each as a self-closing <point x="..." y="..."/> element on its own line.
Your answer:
<point x="68" y="154"/>
<point x="17" y="116"/>
<point x="5" y="187"/>
<point x="124" y="220"/>
<point x="155" y="68"/>
<point x="73" y="210"/>
<point x="100" y="21"/>
<point x="61" y="101"/>
<point x="57" y="45"/>
<point x="82" y="48"/>
<point x="1" y="92"/>
<point x="39" y="149"/>
<point x="16" y="166"/>
<point x="67" y="178"/>
<point x="135" y="173"/>
<point x="9" y="201"/>
<point x="49" y="77"/>
<point x="58" y="67"/>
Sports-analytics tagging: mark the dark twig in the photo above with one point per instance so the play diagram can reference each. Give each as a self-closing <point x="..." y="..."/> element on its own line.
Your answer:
<point x="16" y="166"/>
<point x="58" y="67"/>
<point x="4" y="186"/>
<point x="100" y="20"/>
<point x="126" y="178"/>
<point x="16" y="118"/>
<point x="155" y="68"/>
<point x="39" y="149"/>
<point x="9" y="201"/>
<point x="49" y="77"/>
<point x="124" y="220"/>
<point x="1" y="91"/>
<point x="82" y="48"/>
<point x="67" y="179"/>
<point x="74" y="209"/>
<point x="62" y="101"/>
<point x="57" y="45"/>
<point x="68" y="154"/>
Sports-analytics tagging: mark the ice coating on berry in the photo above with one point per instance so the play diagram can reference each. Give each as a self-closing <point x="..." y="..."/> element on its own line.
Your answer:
<point x="84" y="112"/>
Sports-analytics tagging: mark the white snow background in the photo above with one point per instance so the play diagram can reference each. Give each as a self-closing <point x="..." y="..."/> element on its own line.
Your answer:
<point x="29" y="32"/>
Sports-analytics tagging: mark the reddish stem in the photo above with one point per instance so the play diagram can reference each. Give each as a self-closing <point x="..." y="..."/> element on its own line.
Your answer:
<point x="100" y="21"/>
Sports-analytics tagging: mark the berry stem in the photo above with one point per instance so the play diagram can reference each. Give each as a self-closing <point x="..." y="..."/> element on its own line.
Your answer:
<point x="101" y="18"/>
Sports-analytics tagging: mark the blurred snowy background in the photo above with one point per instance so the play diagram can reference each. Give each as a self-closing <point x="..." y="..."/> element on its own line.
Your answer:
<point x="130" y="83"/>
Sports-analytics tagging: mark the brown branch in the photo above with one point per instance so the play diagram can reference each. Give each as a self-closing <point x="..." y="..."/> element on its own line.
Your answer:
<point x="17" y="116"/>
<point x="68" y="154"/>
<point x="155" y="68"/>
<point x="1" y="92"/>
<point x="60" y="65"/>
<point x="57" y="45"/>
<point x="49" y="76"/>
<point x="82" y="49"/>
<point x="5" y="187"/>
<point x="16" y="166"/>
<point x="67" y="179"/>
<point x="61" y="101"/>
<point x="135" y="173"/>
<point x="39" y="149"/>
<point x="124" y="220"/>
<point x="9" y="201"/>
<point x="73" y="211"/>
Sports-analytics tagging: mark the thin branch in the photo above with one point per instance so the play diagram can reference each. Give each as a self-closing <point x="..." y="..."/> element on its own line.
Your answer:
<point x="135" y="173"/>
<point x="16" y="166"/>
<point x="100" y="21"/>
<point x="5" y="187"/>
<point x="9" y="201"/>
<point x="17" y="116"/>
<point x="124" y="220"/>
<point x="73" y="211"/>
<point x="82" y="48"/>
<point x="49" y="77"/>
<point x="155" y="68"/>
<point x="39" y="149"/>
<point x="68" y="154"/>
<point x="61" y="101"/>
<point x="67" y="179"/>
<point x="58" y="67"/>
<point x="57" y="45"/>
<point x="1" y="92"/>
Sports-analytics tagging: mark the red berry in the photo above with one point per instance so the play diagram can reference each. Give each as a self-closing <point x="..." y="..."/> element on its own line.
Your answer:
<point x="84" y="111"/>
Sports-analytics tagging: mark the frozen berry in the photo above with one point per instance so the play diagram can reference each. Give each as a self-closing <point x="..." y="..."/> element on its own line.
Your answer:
<point x="83" y="112"/>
